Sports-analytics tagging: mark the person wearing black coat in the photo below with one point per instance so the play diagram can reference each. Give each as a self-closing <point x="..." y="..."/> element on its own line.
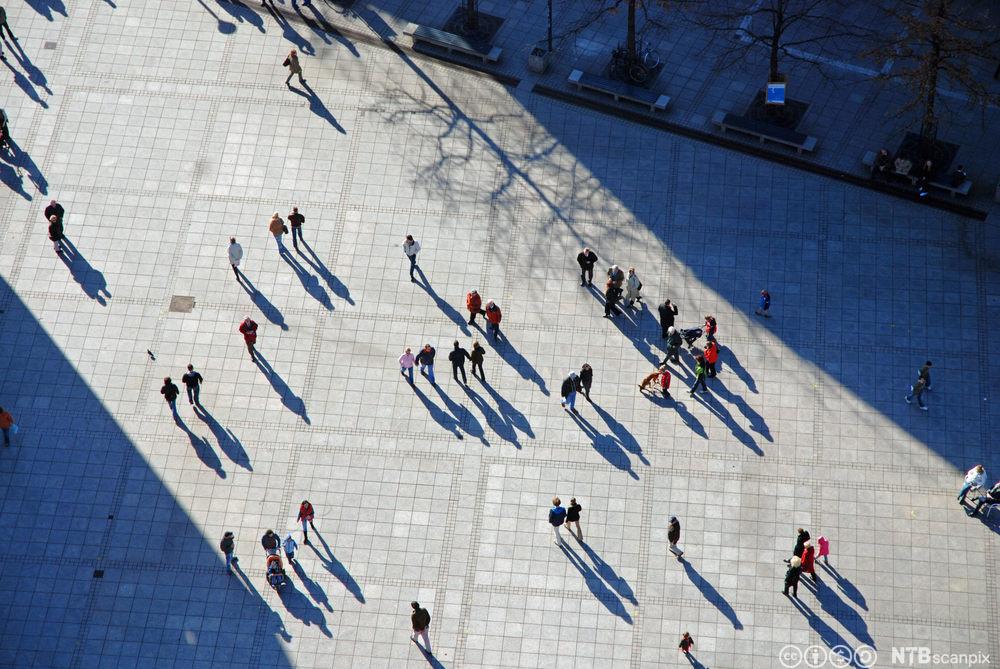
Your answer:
<point x="586" y="259"/>
<point x="800" y="542"/>
<point x="667" y="313"/>
<point x="586" y="380"/>
<point x="54" y="209"/>
<point x="611" y="296"/>
<point x="792" y="576"/>
<point x="568" y="390"/>
<point x="478" y="352"/>
<point x="674" y="535"/>
<point x="270" y="542"/>
<point x="170" y="392"/>
<point x="457" y="357"/>
<point x="56" y="233"/>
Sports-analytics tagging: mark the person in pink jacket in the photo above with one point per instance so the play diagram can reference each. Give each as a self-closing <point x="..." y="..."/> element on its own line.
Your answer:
<point x="824" y="549"/>
<point x="406" y="362"/>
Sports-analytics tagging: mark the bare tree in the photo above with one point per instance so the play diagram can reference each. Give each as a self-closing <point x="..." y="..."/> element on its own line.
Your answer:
<point x="939" y="42"/>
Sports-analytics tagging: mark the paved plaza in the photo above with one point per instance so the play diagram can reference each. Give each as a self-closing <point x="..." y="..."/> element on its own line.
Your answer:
<point x="165" y="128"/>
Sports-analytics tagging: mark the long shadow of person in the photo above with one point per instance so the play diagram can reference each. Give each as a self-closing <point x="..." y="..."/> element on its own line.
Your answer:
<point x="511" y="416"/>
<point x="840" y="611"/>
<point x="757" y="422"/>
<point x="709" y="592"/>
<point x="607" y="446"/>
<point x="241" y="13"/>
<point x="301" y="608"/>
<point x="335" y="284"/>
<point x="317" y="107"/>
<point x="328" y="29"/>
<point x="308" y="281"/>
<point x="288" y="32"/>
<point x="441" y="417"/>
<point x="274" y="621"/>
<point x="23" y="163"/>
<point x="312" y="587"/>
<point x="311" y="21"/>
<point x="25" y="85"/>
<point x="693" y="661"/>
<point x="90" y="279"/>
<point x="334" y="566"/>
<point x="709" y="401"/>
<point x="292" y="402"/>
<point x="36" y="76"/>
<point x="729" y="358"/>
<point x="494" y="421"/>
<point x="223" y="26"/>
<point x="47" y="7"/>
<point x="686" y="416"/>
<point x="465" y="418"/>
<point x="505" y="349"/>
<point x="202" y="448"/>
<point x="228" y="442"/>
<point x="625" y="438"/>
<point x="443" y="305"/>
<point x="639" y="332"/>
<point x="829" y="636"/>
<point x="270" y="311"/>
<point x="11" y="177"/>
<point x="597" y="587"/>
<point x="849" y="589"/>
<point x="604" y="570"/>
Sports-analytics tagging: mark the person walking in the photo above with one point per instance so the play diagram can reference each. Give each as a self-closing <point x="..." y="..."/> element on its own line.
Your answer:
<point x="56" y="234"/>
<point x="411" y="247"/>
<point x="711" y="328"/>
<point x="477" y="355"/>
<point x="917" y="390"/>
<point x="457" y="357"/>
<point x="801" y="538"/>
<point x="235" y="256"/>
<point x="420" y="620"/>
<point x="277" y="228"/>
<point x="294" y="68"/>
<point x="270" y="542"/>
<point x="426" y="361"/>
<point x="974" y="478"/>
<point x="611" y="296"/>
<point x="586" y="380"/>
<point x="192" y="380"/>
<point x="228" y="546"/>
<point x="824" y="549"/>
<point x="809" y="560"/>
<point x="474" y="303"/>
<point x="306" y="516"/>
<point x="573" y="516"/>
<point x="406" y="362"/>
<point x="586" y="259"/>
<point x="711" y="357"/>
<point x="289" y="546"/>
<point x="493" y="318"/>
<point x="616" y="276"/>
<point x="296" y="219"/>
<point x="792" y="576"/>
<point x="570" y="385"/>
<point x="6" y="425"/>
<point x="632" y="287"/>
<point x="699" y="375"/>
<point x="764" y="304"/>
<point x="248" y="328"/>
<point x="674" y="341"/>
<point x="668" y="313"/>
<point x="674" y="536"/>
<point x="557" y="516"/>
<point x="54" y="209"/>
<point x="170" y="392"/>
<point x="925" y="374"/>
<point x="687" y="641"/>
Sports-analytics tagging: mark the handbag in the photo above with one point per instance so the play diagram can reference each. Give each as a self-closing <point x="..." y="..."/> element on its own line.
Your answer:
<point x="284" y="228"/>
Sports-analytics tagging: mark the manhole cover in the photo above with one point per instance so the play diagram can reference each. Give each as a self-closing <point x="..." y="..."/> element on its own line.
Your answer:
<point x="181" y="304"/>
<point x="49" y="45"/>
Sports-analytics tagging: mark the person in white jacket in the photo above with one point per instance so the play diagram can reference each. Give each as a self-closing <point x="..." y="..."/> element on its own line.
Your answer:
<point x="975" y="478"/>
<point x="290" y="547"/>
<point x="411" y="247"/>
<point x="235" y="256"/>
<point x="632" y="286"/>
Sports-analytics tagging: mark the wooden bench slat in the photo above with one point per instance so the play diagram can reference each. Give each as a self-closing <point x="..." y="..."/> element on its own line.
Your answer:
<point x="450" y="41"/>
<point x="618" y="89"/>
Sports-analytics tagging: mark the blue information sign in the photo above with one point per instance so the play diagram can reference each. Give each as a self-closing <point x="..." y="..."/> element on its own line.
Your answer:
<point x="776" y="93"/>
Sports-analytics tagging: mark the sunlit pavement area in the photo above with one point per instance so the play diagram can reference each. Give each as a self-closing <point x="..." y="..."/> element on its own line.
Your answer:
<point x="163" y="136"/>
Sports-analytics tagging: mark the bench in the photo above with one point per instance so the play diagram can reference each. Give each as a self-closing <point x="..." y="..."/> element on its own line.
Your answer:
<point x="963" y="188"/>
<point x="619" y="90"/>
<point x="450" y="42"/>
<point x="764" y="131"/>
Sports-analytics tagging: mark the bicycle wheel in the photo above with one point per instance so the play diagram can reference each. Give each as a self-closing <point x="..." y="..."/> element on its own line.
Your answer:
<point x="638" y="73"/>
<point x="651" y="59"/>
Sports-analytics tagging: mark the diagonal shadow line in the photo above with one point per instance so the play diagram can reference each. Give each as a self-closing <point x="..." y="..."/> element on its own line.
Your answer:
<point x="335" y="567"/>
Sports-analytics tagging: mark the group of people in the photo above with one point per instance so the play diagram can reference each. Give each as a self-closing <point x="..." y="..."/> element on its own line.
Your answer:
<point x="885" y="167"/>
<point x="803" y="560"/>
<point x="975" y="479"/>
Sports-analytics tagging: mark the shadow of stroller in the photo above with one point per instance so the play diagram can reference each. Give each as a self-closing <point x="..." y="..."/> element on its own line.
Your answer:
<point x="228" y="442"/>
<point x="292" y="402"/>
<point x="271" y="312"/>
<point x="335" y="284"/>
<point x="312" y="587"/>
<point x="709" y="592"/>
<point x="91" y="280"/>
<point x="334" y="566"/>
<point x="273" y="619"/>
<point x="202" y="448"/>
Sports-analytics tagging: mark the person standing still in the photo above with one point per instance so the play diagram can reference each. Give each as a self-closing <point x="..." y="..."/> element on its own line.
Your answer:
<point x="632" y="287"/>
<point x="296" y="219"/>
<point x="457" y="357"/>
<point x="667" y="312"/>
<point x="294" y="68"/>
<point x="270" y="542"/>
<point x="477" y="355"/>
<point x="925" y="374"/>
<point x="235" y="256"/>
<point x="792" y="576"/>
<point x="611" y="296"/>
<point x="711" y="327"/>
<point x="56" y="235"/>
<point x="54" y="209"/>
<point x="809" y="560"/>
<point x="426" y="361"/>
<point x="586" y="259"/>
<point x="306" y="516"/>
<point x="764" y="306"/>
<point x="573" y="516"/>
<point x="711" y="357"/>
<point x="917" y="390"/>
<point x="248" y="328"/>
<point x="411" y="247"/>
<point x="228" y="546"/>
<point x="493" y="318"/>
<point x="557" y="516"/>
<point x="674" y="536"/>
<point x="474" y="303"/>
<point x="674" y="341"/>
<point x="420" y="620"/>
<point x="170" y="392"/>
<point x="6" y="424"/>
<point x="276" y="226"/>
<point x="586" y="380"/>
<point x="406" y="362"/>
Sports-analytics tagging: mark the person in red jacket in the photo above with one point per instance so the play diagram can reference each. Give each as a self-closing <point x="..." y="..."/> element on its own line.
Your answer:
<point x="809" y="560"/>
<point x="711" y="327"/>
<point x="474" y="303"/>
<point x="665" y="381"/>
<point x="493" y="317"/>
<point x="306" y="515"/>
<point x="248" y="328"/>
<point x="711" y="357"/>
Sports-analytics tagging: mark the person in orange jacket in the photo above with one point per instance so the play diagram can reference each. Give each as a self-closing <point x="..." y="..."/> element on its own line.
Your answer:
<point x="493" y="317"/>
<point x="474" y="303"/>
<point x="711" y="357"/>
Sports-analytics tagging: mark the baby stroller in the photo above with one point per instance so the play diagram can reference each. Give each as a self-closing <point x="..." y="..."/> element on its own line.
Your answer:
<point x="691" y="335"/>
<point x="276" y="572"/>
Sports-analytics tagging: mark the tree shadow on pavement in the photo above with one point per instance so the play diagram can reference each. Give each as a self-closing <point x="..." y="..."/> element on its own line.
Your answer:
<point x="202" y="448"/>
<point x="312" y="587"/>
<point x="334" y="566"/>
<point x="336" y="285"/>
<point x="606" y="572"/>
<point x="302" y="609"/>
<point x="228" y="442"/>
<point x="91" y="280"/>
<point x="624" y="437"/>
<point x="440" y="416"/>
<point x="443" y="305"/>
<point x="265" y="306"/>
<point x="317" y="107"/>
<point x="597" y="586"/>
<point x="709" y="592"/>
<point x="292" y="402"/>
<point x="308" y="280"/>
<point x="710" y="402"/>
<point x="606" y="445"/>
<point x="849" y="589"/>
